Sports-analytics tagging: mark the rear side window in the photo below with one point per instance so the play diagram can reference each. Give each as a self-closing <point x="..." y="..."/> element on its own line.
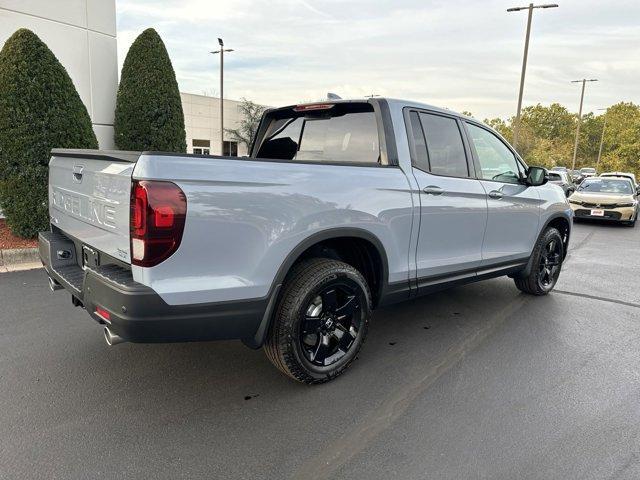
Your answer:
<point x="422" y="159"/>
<point x="342" y="133"/>
<point x="444" y="148"/>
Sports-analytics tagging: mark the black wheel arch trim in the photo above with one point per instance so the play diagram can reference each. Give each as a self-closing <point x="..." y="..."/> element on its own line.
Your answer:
<point x="553" y="217"/>
<point x="294" y="256"/>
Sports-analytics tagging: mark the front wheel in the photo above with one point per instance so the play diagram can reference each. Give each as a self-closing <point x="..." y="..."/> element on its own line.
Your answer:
<point x="546" y="263"/>
<point x="321" y="320"/>
<point x="632" y="223"/>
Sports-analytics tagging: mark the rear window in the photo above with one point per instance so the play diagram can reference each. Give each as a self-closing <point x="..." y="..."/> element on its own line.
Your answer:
<point x="554" y="177"/>
<point x="343" y="133"/>
<point x="607" y="185"/>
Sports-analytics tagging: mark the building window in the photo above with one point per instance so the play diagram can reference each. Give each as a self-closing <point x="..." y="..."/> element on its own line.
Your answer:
<point x="201" y="147"/>
<point x="230" y="149"/>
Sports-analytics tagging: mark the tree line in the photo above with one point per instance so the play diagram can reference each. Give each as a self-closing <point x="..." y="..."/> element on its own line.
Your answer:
<point x="547" y="137"/>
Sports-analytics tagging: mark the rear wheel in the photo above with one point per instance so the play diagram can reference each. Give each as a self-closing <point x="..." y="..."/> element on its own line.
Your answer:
<point x="546" y="264"/>
<point x="321" y="321"/>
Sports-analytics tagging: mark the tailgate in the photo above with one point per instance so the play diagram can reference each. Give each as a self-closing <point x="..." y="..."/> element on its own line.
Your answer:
<point x="89" y="193"/>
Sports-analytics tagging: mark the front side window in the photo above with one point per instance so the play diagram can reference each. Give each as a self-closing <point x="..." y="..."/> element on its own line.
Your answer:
<point x="496" y="161"/>
<point x="342" y="133"/>
<point x="444" y="146"/>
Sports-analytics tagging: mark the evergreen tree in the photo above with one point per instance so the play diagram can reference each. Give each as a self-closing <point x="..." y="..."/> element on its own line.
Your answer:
<point x="148" y="107"/>
<point x="40" y="109"/>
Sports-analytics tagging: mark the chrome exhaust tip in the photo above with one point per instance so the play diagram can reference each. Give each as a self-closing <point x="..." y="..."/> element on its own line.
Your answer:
<point x="54" y="285"/>
<point x="111" y="338"/>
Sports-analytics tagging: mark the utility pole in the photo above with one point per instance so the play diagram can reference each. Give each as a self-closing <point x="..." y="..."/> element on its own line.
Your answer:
<point x="516" y="127"/>
<point x="221" y="52"/>
<point x="575" y="146"/>
<point x="604" y="126"/>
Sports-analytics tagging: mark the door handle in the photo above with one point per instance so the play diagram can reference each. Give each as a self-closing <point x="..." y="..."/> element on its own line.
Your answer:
<point x="433" y="190"/>
<point x="497" y="194"/>
<point x="77" y="172"/>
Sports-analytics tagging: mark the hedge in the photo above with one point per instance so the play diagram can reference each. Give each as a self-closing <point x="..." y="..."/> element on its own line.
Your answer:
<point x="40" y="109"/>
<point x="148" y="107"/>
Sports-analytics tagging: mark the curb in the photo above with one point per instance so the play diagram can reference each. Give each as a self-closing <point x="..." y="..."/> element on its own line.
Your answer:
<point x="19" y="259"/>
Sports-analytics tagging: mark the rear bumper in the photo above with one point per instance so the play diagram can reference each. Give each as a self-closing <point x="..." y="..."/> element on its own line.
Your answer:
<point x="137" y="313"/>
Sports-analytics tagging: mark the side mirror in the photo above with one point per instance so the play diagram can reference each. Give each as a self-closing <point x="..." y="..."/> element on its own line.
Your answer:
<point x="537" y="176"/>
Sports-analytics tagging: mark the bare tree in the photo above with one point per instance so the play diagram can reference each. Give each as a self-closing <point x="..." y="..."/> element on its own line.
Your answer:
<point x="250" y="114"/>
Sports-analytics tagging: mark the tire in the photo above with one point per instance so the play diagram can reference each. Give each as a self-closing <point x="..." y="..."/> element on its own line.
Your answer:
<point x="546" y="263"/>
<point x="632" y="223"/>
<point x="316" y="334"/>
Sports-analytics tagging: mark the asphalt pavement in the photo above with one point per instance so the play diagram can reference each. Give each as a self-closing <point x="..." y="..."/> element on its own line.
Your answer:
<point x="477" y="382"/>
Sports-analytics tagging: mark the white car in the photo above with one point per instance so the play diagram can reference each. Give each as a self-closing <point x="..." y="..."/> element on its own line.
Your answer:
<point x="588" y="172"/>
<point x="628" y="175"/>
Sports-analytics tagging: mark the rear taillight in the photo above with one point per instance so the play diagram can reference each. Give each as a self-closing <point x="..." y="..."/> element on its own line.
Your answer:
<point x="158" y="212"/>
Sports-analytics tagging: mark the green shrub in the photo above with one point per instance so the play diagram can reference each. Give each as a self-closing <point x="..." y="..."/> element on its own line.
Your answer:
<point x="148" y="108"/>
<point x="40" y="109"/>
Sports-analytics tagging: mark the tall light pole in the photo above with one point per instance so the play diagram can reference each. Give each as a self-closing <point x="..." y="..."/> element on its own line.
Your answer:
<point x="575" y="146"/>
<point x="604" y="126"/>
<point x="221" y="52"/>
<point x="516" y="129"/>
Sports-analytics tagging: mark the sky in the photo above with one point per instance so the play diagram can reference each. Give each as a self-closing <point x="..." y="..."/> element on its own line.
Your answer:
<point x="461" y="55"/>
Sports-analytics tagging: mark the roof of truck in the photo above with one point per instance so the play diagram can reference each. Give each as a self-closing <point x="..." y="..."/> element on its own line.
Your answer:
<point x="426" y="106"/>
<point x="392" y="101"/>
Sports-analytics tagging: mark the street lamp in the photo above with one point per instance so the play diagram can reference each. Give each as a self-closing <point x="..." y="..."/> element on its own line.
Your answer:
<point x="516" y="129"/>
<point x="604" y="126"/>
<point x="221" y="52"/>
<point x="575" y="146"/>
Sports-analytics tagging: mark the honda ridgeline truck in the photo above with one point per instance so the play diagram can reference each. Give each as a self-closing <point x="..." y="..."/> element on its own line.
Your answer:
<point x="341" y="207"/>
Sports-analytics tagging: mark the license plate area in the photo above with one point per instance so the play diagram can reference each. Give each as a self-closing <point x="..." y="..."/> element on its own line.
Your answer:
<point x="597" y="213"/>
<point x="90" y="257"/>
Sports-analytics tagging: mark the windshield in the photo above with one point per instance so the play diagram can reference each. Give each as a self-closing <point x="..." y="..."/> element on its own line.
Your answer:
<point x="342" y="133"/>
<point x="554" y="177"/>
<point x="607" y="185"/>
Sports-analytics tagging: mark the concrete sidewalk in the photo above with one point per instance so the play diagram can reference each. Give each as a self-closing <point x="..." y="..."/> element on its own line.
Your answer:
<point x="15" y="259"/>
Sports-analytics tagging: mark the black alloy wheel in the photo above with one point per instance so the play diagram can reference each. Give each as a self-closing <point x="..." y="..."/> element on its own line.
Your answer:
<point x="545" y="263"/>
<point x="549" y="264"/>
<point x="321" y="320"/>
<point x="331" y="323"/>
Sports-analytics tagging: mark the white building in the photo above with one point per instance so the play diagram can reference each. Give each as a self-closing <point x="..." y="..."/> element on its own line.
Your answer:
<point x="202" y="123"/>
<point x="82" y="35"/>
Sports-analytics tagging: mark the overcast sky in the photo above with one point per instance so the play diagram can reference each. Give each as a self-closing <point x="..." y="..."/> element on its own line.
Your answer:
<point x="462" y="55"/>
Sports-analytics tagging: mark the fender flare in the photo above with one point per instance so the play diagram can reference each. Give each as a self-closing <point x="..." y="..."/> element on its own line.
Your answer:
<point x="294" y="255"/>
<point x="555" y="216"/>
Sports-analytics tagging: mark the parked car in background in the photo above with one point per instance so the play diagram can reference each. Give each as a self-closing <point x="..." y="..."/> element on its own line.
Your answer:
<point x="342" y="207"/>
<point x="576" y="177"/>
<point x="588" y="172"/>
<point x="628" y="175"/>
<point x="606" y="198"/>
<point x="562" y="179"/>
<point x="558" y="169"/>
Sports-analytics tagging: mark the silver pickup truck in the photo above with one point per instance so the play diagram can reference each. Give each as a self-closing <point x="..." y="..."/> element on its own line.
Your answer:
<point x="340" y="208"/>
